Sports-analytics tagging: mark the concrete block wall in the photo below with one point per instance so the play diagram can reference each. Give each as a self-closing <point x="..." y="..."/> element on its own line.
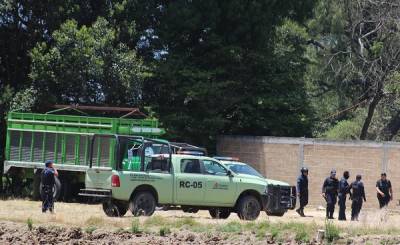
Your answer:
<point x="281" y="159"/>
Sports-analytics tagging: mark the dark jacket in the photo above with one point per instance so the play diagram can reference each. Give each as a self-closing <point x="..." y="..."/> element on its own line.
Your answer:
<point x="47" y="177"/>
<point x="330" y="186"/>
<point x="357" y="191"/>
<point x="302" y="184"/>
<point x="344" y="187"/>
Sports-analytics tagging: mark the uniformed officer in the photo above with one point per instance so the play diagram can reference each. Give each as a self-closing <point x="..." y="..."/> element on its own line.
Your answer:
<point x="384" y="191"/>
<point x="343" y="191"/>
<point x="302" y="190"/>
<point x="48" y="181"/>
<point x="357" y="197"/>
<point x="329" y="192"/>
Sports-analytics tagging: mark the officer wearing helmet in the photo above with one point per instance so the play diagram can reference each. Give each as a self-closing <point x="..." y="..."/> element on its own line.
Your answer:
<point x="330" y="192"/>
<point x="302" y="190"/>
<point x="48" y="181"/>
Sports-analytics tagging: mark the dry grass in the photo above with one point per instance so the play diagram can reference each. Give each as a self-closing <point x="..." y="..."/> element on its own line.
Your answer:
<point x="82" y="215"/>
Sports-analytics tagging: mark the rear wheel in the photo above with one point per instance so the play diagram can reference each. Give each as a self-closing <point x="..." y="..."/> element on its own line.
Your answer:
<point x="56" y="189"/>
<point x="248" y="208"/>
<point x="143" y="204"/>
<point x="219" y="213"/>
<point x="115" y="209"/>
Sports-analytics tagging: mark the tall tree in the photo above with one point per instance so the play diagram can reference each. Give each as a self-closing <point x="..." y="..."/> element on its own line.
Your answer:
<point x="230" y="67"/>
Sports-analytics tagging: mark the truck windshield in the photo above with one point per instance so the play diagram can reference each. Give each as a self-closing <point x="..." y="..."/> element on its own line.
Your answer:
<point x="243" y="169"/>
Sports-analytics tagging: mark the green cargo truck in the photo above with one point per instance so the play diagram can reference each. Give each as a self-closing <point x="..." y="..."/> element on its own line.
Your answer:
<point x="188" y="182"/>
<point x="67" y="140"/>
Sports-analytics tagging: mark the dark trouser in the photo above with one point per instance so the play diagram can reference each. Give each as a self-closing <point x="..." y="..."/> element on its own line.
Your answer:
<point x="383" y="201"/>
<point x="303" y="200"/>
<point x="47" y="202"/>
<point x="330" y="204"/>
<point x="356" y="206"/>
<point x="342" y="207"/>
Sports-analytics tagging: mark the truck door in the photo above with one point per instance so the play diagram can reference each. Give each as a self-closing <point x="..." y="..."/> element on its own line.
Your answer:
<point x="102" y="161"/>
<point x="190" y="182"/>
<point x="220" y="187"/>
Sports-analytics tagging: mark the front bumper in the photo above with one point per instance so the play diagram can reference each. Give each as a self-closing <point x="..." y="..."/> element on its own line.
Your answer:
<point x="279" y="198"/>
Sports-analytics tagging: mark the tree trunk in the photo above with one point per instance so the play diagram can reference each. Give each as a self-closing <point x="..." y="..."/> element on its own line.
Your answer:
<point x="391" y="128"/>
<point x="371" y="110"/>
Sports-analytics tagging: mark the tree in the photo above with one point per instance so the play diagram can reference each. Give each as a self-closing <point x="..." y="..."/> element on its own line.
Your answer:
<point x="87" y="65"/>
<point x="361" y="56"/>
<point x="230" y="68"/>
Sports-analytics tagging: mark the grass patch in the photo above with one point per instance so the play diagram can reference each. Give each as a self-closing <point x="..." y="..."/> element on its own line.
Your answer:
<point x="135" y="227"/>
<point x="90" y="229"/>
<point x="164" y="231"/>
<point x="94" y="221"/>
<point x="156" y="220"/>
<point x="29" y="223"/>
<point x="231" y="227"/>
<point x="186" y="221"/>
<point x="331" y="231"/>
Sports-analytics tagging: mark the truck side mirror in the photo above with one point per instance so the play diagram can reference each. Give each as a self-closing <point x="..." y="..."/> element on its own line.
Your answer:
<point x="229" y="173"/>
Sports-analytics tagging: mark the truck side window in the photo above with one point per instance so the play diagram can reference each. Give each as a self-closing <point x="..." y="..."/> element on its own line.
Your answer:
<point x="214" y="168"/>
<point x="190" y="166"/>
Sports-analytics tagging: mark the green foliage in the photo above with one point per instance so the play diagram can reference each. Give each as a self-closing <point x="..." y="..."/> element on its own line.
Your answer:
<point x="344" y="130"/>
<point x="24" y="100"/>
<point x="331" y="231"/>
<point x="87" y="65"/>
<point x="90" y="229"/>
<point x="231" y="227"/>
<point x="135" y="227"/>
<point x="164" y="231"/>
<point x="29" y="222"/>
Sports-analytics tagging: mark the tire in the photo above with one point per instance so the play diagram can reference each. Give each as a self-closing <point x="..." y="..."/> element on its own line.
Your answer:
<point x="219" y="213"/>
<point x="36" y="190"/>
<point x="114" y="209"/>
<point x="143" y="204"/>
<point x="248" y="208"/>
<point x="276" y="213"/>
<point x="56" y="189"/>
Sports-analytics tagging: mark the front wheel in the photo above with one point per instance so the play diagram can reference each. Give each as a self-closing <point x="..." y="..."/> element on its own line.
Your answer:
<point x="143" y="204"/>
<point x="248" y="208"/>
<point x="276" y="213"/>
<point x="219" y="213"/>
<point x="114" y="209"/>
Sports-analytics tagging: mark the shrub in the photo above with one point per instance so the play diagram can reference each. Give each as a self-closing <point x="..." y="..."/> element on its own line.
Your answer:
<point x="29" y="222"/>
<point x="164" y="231"/>
<point x="331" y="231"/>
<point x="135" y="228"/>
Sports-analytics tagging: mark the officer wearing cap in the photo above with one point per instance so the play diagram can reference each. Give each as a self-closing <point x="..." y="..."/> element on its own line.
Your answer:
<point x="302" y="190"/>
<point x="330" y="192"/>
<point x="48" y="181"/>
<point x="343" y="191"/>
<point x="384" y="191"/>
<point x="357" y="196"/>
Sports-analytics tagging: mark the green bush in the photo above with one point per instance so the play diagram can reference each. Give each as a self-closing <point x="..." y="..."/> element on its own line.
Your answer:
<point x="29" y="222"/>
<point x="331" y="231"/>
<point x="135" y="228"/>
<point x="90" y="229"/>
<point x="164" y="231"/>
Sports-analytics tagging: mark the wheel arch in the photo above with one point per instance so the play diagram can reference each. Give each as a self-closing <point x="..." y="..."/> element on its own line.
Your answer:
<point x="145" y="187"/>
<point x="249" y="192"/>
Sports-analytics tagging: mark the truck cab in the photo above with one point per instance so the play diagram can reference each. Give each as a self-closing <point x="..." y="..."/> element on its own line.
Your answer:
<point x="157" y="177"/>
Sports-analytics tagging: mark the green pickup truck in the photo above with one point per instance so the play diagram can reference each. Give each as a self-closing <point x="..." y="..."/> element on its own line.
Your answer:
<point x="158" y="178"/>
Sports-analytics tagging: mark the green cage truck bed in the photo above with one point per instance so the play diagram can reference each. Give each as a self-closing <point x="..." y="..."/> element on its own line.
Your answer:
<point x="67" y="140"/>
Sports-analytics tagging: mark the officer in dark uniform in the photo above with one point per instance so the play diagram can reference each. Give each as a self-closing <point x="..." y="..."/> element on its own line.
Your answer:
<point x="357" y="197"/>
<point x="343" y="191"/>
<point x="330" y="192"/>
<point x="302" y="190"/>
<point x="48" y="181"/>
<point x="384" y="191"/>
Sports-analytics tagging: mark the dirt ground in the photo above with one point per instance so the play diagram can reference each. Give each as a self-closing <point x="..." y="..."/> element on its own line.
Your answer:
<point x="71" y="224"/>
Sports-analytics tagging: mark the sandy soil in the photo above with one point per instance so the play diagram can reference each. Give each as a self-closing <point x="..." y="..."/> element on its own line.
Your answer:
<point x="70" y="220"/>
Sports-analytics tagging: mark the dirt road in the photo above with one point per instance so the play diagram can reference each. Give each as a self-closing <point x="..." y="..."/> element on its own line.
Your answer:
<point x="86" y="224"/>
